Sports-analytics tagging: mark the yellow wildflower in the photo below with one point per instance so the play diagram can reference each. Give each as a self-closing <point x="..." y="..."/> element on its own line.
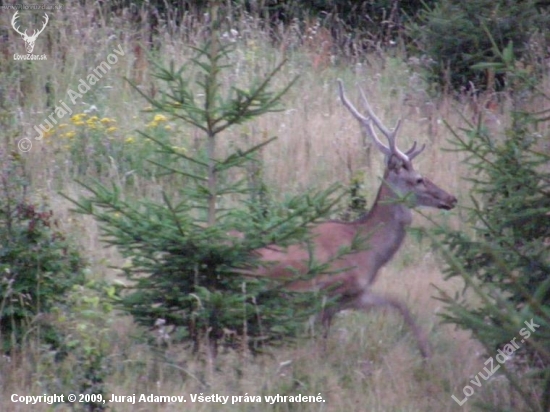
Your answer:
<point x="179" y="149"/>
<point x="160" y="118"/>
<point x="92" y="121"/>
<point x="106" y="120"/>
<point x="78" y="117"/>
<point x="167" y="127"/>
<point x="130" y="139"/>
<point x="111" y="129"/>
<point x="79" y="123"/>
<point x="63" y="125"/>
<point x="68" y="135"/>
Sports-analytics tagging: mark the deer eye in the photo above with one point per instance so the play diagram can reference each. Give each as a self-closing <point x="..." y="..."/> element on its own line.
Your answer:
<point x="419" y="181"/>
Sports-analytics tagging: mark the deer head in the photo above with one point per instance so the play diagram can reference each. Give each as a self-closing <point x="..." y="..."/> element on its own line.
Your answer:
<point x="399" y="175"/>
<point x="29" y="40"/>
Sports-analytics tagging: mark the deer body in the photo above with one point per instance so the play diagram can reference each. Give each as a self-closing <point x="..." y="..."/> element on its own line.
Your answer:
<point x="383" y="228"/>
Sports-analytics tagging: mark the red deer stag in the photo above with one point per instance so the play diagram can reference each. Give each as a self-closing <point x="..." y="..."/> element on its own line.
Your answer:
<point x="383" y="227"/>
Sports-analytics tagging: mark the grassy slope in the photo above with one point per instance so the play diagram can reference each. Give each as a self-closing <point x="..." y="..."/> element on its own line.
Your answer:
<point x="371" y="362"/>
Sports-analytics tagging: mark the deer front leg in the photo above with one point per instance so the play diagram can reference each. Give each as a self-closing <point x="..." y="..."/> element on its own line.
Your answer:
<point x="326" y="320"/>
<point x="369" y="300"/>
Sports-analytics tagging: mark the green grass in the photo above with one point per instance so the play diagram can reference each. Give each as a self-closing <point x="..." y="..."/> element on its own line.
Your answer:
<point x="371" y="361"/>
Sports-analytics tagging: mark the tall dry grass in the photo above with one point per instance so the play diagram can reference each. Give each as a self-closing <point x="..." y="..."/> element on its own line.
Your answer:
<point x="371" y="362"/>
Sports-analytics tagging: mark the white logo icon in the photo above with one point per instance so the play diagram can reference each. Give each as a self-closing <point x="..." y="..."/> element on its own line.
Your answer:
<point x="29" y="40"/>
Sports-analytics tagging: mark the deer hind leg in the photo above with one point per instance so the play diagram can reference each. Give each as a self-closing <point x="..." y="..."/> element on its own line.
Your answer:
<point x="326" y="319"/>
<point x="369" y="300"/>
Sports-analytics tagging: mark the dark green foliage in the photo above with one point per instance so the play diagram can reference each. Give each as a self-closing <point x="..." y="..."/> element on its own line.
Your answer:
<point x="356" y="26"/>
<point x="367" y="24"/>
<point x="453" y="36"/>
<point x="504" y="255"/>
<point x="356" y="201"/>
<point x="37" y="264"/>
<point x="511" y="208"/>
<point x="183" y="251"/>
<point x="80" y="363"/>
<point x="86" y="329"/>
<point x="181" y="270"/>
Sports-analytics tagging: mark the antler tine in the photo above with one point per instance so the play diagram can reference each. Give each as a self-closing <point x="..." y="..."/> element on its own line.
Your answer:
<point x="46" y="20"/>
<point x="366" y="122"/>
<point x="374" y="118"/>
<point x="390" y="134"/>
<point x="413" y="152"/>
<point x="14" y="22"/>
<point x="348" y="104"/>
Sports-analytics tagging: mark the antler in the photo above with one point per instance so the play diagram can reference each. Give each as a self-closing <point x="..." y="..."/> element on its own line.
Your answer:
<point x="366" y="122"/>
<point x="14" y="22"/>
<point x="34" y="33"/>
<point x="43" y="27"/>
<point x="412" y="152"/>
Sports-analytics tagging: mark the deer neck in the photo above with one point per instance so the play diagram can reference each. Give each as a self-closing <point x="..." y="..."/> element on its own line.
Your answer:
<point x="388" y="210"/>
<point x="385" y="224"/>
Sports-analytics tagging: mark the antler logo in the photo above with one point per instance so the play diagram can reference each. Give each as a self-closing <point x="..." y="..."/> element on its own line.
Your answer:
<point x="29" y="40"/>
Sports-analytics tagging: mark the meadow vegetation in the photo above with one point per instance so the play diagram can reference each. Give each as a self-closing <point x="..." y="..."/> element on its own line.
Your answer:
<point x="371" y="362"/>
